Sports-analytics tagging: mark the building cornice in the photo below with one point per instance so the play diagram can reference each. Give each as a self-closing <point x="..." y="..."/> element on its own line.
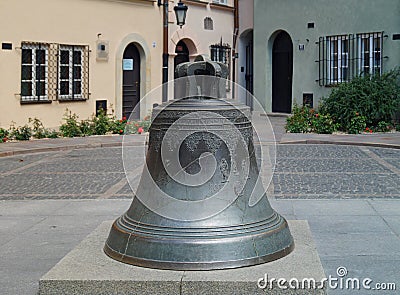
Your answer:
<point x="222" y="7"/>
<point x="196" y="2"/>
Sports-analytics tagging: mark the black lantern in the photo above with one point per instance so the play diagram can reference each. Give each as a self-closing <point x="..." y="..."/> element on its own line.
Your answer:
<point x="180" y="13"/>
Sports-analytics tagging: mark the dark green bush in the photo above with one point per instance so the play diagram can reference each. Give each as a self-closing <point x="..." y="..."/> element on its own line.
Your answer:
<point x="357" y="124"/>
<point x="383" y="126"/>
<point x="377" y="98"/>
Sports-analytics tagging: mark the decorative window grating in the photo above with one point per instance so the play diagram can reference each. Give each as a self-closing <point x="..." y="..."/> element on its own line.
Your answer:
<point x="208" y="23"/>
<point x="222" y="53"/>
<point x="369" y="53"/>
<point x="51" y="71"/>
<point x="34" y="72"/>
<point x="73" y="72"/>
<point x="224" y="2"/>
<point x="342" y="57"/>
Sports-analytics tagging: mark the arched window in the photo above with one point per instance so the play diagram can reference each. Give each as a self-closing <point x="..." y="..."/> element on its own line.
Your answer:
<point x="208" y="23"/>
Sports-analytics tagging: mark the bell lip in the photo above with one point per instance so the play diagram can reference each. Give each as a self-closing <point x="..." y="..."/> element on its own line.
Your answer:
<point x="215" y="265"/>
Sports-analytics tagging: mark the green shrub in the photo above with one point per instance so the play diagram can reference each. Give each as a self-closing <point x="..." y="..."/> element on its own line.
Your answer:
<point x="118" y="126"/>
<point x="383" y="127"/>
<point x="3" y="135"/>
<point x="20" y="133"/>
<point x="102" y="123"/>
<point x="136" y="127"/>
<point x="377" y="98"/>
<point x="51" y="133"/>
<point x="86" y="128"/>
<point x="323" y="124"/>
<point x="300" y="121"/>
<point x="71" y="126"/>
<point x="38" y="130"/>
<point x="305" y="120"/>
<point x="357" y="124"/>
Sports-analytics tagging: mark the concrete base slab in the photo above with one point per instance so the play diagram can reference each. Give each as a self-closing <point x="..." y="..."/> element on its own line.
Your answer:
<point x="87" y="270"/>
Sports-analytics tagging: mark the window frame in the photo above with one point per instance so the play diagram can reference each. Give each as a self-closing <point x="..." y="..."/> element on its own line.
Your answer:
<point x="208" y="23"/>
<point x="222" y="53"/>
<point x="338" y="59"/>
<point x="35" y="95"/>
<point x="71" y="73"/>
<point x="355" y="57"/>
<point x="370" y="51"/>
<point x="221" y="2"/>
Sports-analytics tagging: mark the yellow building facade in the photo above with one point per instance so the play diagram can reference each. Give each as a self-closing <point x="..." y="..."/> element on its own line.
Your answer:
<point x="81" y="55"/>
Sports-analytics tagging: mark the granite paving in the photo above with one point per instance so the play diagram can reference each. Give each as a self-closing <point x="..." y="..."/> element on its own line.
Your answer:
<point x="301" y="171"/>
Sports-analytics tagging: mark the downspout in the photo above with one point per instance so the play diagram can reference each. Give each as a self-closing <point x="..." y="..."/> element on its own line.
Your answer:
<point x="165" y="55"/>
<point x="235" y="35"/>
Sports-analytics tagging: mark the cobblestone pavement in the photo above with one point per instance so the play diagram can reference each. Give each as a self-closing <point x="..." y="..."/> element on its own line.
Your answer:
<point x="302" y="171"/>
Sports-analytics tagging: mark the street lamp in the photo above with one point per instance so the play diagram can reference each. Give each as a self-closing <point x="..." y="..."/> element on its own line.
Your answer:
<point x="180" y="13"/>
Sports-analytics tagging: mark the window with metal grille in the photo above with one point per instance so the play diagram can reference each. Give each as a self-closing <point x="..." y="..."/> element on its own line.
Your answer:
<point x="34" y="72"/>
<point x="369" y="53"/>
<point x="51" y="71"/>
<point x="342" y="57"/>
<point x="208" y="23"/>
<point x="70" y="82"/>
<point x="338" y="55"/>
<point x="222" y="53"/>
<point x="225" y="2"/>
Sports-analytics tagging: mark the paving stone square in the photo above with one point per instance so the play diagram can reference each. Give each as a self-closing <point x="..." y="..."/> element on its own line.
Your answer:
<point x="350" y="195"/>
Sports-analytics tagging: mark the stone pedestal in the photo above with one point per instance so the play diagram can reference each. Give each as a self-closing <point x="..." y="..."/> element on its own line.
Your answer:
<point x="87" y="270"/>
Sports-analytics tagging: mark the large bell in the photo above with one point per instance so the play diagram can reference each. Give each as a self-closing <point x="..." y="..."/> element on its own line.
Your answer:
<point x="200" y="203"/>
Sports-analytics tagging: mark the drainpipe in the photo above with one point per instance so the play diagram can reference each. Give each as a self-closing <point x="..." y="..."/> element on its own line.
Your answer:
<point x="165" y="56"/>
<point x="235" y="35"/>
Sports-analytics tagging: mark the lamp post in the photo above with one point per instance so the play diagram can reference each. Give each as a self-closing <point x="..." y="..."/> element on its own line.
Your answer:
<point x="180" y="14"/>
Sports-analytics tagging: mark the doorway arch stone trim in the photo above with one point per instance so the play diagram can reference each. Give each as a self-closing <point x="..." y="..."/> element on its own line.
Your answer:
<point x="269" y="67"/>
<point x="145" y="70"/>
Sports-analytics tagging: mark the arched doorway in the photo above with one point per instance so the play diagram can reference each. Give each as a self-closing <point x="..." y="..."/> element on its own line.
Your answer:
<point x="282" y="72"/>
<point x="182" y="53"/>
<point x="131" y="82"/>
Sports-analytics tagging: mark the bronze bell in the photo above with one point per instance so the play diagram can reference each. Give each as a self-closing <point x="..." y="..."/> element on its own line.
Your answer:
<point x="200" y="204"/>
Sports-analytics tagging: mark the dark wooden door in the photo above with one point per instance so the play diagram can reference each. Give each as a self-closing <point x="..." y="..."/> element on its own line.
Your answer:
<point x="182" y="53"/>
<point x="249" y="73"/>
<point x="131" y="82"/>
<point x="282" y="71"/>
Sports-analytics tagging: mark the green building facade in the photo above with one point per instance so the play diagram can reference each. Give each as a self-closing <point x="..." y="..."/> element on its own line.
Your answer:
<point x="303" y="48"/>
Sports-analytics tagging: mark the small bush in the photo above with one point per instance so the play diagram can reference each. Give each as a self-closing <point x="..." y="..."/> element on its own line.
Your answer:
<point x="305" y="120"/>
<point x="383" y="127"/>
<point x="376" y="98"/>
<point x="71" y="126"/>
<point x="86" y="127"/>
<point x="300" y="121"/>
<point x="3" y="135"/>
<point x="20" y="133"/>
<point x="38" y="130"/>
<point x="118" y="126"/>
<point x="102" y="123"/>
<point x="323" y="124"/>
<point x="357" y="124"/>
<point x="136" y="127"/>
<point x="51" y="133"/>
